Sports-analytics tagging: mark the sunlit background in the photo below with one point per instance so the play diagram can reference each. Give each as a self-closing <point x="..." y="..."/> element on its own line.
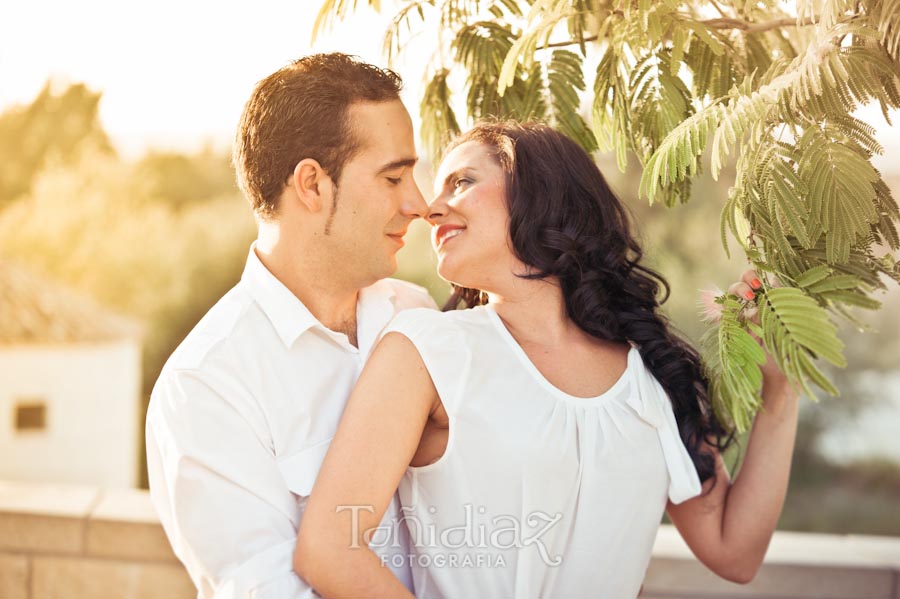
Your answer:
<point x="120" y="225"/>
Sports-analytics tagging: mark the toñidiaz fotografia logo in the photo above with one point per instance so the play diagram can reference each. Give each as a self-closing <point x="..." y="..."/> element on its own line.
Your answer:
<point x="480" y="540"/>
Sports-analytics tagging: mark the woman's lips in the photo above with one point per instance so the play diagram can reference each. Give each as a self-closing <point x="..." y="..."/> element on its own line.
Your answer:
<point x="446" y="232"/>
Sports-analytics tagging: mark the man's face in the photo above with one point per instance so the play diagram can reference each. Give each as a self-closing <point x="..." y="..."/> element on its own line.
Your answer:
<point x="376" y="196"/>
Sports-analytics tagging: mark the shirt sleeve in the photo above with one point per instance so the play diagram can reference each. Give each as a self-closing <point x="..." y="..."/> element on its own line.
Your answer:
<point x="442" y="345"/>
<point x="217" y="488"/>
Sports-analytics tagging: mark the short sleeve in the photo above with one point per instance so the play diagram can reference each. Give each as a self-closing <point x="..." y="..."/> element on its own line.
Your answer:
<point x="441" y="342"/>
<point x="652" y="404"/>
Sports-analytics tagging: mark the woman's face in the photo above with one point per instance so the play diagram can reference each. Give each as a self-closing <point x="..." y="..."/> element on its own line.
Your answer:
<point x="470" y="220"/>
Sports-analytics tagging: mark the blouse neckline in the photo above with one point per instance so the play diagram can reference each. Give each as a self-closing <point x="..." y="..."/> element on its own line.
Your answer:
<point x="536" y="374"/>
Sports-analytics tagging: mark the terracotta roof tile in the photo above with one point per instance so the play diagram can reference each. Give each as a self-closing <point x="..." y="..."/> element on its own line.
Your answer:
<point x="36" y="310"/>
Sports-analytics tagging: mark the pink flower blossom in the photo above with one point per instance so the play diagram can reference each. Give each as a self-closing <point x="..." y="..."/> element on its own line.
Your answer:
<point x="710" y="310"/>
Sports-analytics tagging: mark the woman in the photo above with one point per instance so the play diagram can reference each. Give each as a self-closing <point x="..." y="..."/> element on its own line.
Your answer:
<point x="537" y="437"/>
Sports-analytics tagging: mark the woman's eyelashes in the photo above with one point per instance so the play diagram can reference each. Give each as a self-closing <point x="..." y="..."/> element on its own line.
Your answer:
<point x="461" y="182"/>
<point x="394" y="180"/>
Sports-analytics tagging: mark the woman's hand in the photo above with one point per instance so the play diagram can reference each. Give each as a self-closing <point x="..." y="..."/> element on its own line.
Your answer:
<point x="745" y="290"/>
<point x="729" y="526"/>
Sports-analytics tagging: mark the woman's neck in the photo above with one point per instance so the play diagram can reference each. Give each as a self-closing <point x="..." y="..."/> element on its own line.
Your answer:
<point x="535" y="311"/>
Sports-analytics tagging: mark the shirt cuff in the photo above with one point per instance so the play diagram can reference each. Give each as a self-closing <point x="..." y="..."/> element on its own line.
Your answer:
<point x="268" y="575"/>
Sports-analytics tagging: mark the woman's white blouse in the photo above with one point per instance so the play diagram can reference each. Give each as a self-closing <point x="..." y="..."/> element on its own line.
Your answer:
<point x="539" y="493"/>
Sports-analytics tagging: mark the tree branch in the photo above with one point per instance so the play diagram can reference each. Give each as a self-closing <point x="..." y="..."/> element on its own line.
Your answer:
<point x="723" y="23"/>
<point x="726" y="23"/>
<point x="589" y="38"/>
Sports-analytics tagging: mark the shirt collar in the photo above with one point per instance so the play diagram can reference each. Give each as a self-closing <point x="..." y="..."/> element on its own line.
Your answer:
<point x="291" y="318"/>
<point x="283" y="309"/>
<point x="374" y="309"/>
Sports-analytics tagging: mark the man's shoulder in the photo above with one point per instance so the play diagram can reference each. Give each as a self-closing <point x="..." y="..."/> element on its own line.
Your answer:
<point x="216" y="327"/>
<point x="409" y="295"/>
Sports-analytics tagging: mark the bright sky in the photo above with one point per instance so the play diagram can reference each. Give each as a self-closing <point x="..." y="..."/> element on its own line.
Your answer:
<point x="176" y="73"/>
<point x="173" y="73"/>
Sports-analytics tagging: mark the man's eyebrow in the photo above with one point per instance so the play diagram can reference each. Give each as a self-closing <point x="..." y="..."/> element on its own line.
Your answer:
<point x="403" y="162"/>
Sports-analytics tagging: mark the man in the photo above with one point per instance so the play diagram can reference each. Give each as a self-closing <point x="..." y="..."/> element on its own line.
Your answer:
<point x="244" y="410"/>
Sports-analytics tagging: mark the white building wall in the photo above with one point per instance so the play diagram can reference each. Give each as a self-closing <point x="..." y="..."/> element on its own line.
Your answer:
<point x="92" y="394"/>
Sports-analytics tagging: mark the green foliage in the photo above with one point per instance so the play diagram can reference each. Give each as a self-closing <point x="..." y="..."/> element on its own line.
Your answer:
<point x="47" y="130"/>
<point x="438" y="121"/>
<point x="797" y="330"/>
<point x="675" y="88"/>
<point x="135" y="236"/>
<point x="333" y="10"/>
<point x="732" y="366"/>
<point x="93" y="226"/>
<point x="180" y="180"/>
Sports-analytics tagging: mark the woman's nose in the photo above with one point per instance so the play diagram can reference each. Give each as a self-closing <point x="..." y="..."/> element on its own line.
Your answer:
<point x="436" y="210"/>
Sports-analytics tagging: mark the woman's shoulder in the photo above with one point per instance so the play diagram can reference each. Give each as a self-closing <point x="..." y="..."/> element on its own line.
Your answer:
<point x="428" y="321"/>
<point x="437" y="317"/>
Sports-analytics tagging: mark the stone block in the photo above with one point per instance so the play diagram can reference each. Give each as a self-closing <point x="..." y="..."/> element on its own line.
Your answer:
<point x="44" y="517"/>
<point x="47" y="499"/>
<point x="72" y="577"/>
<point x="13" y="576"/>
<point x="672" y="577"/>
<point x="27" y="533"/>
<point x="124" y="525"/>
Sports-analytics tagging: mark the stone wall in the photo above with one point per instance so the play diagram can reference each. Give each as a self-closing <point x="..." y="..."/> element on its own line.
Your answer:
<point x="811" y="566"/>
<point x="79" y="542"/>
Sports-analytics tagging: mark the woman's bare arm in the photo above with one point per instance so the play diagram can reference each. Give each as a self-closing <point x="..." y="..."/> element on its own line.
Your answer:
<point x="377" y="438"/>
<point x="729" y="529"/>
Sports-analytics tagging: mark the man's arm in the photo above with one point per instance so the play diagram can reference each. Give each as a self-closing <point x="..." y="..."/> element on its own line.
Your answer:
<point x="216" y="486"/>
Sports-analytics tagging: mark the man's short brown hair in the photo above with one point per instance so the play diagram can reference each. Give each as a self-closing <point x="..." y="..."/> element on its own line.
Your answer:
<point x="302" y="111"/>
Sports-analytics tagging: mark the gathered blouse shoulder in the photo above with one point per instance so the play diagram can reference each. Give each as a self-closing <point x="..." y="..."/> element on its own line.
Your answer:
<point x="581" y="483"/>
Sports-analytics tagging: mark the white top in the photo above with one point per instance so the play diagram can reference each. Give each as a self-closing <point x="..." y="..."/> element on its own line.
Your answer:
<point x="539" y="493"/>
<point x="239" y="423"/>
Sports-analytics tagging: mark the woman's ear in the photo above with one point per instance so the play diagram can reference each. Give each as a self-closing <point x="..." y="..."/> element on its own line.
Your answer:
<point x="311" y="184"/>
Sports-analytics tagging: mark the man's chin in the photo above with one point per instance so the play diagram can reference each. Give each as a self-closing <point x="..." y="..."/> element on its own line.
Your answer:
<point x="386" y="269"/>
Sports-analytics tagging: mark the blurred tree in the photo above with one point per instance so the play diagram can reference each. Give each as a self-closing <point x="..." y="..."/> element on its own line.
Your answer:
<point x="180" y="180"/>
<point x="51" y="128"/>
<point x="676" y="80"/>
<point x="95" y="225"/>
<point x="80" y="224"/>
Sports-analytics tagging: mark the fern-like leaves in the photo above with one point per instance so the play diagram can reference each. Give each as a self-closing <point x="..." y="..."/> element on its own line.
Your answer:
<point x="439" y="123"/>
<point x="732" y="359"/>
<point x="796" y="331"/>
<point x="676" y="92"/>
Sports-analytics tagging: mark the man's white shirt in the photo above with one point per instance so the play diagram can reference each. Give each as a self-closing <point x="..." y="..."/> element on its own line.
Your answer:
<point x="239" y="423"/>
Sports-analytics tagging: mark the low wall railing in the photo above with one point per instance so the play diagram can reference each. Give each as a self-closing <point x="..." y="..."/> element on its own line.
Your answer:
<point x="84" y="542"/>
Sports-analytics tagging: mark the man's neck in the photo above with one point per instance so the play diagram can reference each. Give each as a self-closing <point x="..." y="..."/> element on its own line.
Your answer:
<point x="330" y="300"/>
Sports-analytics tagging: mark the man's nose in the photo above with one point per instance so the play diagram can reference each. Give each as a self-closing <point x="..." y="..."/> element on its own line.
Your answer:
<point x="414" y="205"/>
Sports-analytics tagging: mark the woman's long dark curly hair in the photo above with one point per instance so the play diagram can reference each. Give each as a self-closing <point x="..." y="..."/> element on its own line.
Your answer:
<point x="566" y="224"/>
